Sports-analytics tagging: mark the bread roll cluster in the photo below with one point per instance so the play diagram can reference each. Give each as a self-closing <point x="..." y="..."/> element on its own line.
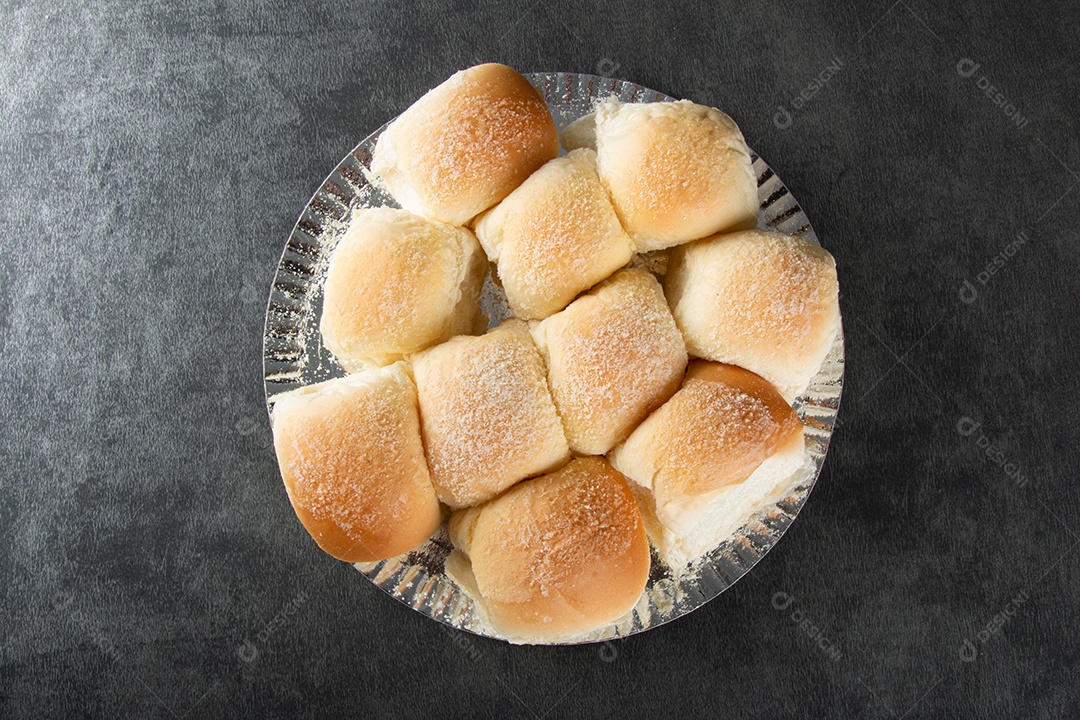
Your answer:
<point x="561" y="439"/>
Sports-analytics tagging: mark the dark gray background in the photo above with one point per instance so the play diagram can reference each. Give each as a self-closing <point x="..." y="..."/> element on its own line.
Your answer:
<point x="152" y="163"/>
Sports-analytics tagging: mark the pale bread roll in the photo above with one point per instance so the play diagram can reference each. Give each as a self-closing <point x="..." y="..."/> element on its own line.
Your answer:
<point x="580" y="134"/>
<point x="487" y="415"/>
<point x="725" y="445"/>
<point x="676" y="171"/>
<point x="353" y="464"/>
<point x="554" y="236"/>
<point x="397" y="284"/>
<point x="613" y="356"/>
<point x="466" y="144"/>
<point x="554" y="557"/>
<point x="758" y="299"/>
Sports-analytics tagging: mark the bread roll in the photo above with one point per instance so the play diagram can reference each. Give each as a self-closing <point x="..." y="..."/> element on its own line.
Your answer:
<point x="762" y="300"/>
<point x="555" y="557"/>
<point x="613" y="356"/>
<point x="725" y="445"/>
<point x="676" y="171"/>
<point x="398" y="283"/>
<point x="487" y="416"/>
<point x="466" y="144"/>
<point x="580" y="134"/>
<point x="353" y="464"/>
<point x="555" y="236"/>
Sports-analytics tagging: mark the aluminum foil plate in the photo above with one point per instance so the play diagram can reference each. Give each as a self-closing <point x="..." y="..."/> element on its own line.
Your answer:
<point x="294" y="356"/>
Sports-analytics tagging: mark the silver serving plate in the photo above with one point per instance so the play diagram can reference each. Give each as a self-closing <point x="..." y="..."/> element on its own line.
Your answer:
<point x="294" y="356"/>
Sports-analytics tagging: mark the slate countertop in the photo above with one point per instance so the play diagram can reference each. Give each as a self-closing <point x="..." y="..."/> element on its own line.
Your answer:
<point x="152" y="163"/>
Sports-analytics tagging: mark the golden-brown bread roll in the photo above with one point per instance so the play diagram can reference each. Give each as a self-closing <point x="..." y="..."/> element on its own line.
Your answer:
<point x="758" y="299"/>
<point x="554" y="557"/>
<point x="554" y="236"/>
<point x="353" y="464"/>
<point x="613" y="356"/>
<point x="487" y="416"/>
<point x="398" y="283"/>
<point x="723" y="446"/>
<point x="677" y="171"/>
<point x="466" y="144"/>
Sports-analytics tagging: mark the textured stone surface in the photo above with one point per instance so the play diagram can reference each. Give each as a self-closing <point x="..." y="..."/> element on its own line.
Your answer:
<point x="152" y="161"/>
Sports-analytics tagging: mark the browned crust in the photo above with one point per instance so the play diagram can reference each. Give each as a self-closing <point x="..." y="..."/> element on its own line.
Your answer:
<point x="353" y="465"/>
<point x="467" y="143"/>
<point x="561" y="554"/>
